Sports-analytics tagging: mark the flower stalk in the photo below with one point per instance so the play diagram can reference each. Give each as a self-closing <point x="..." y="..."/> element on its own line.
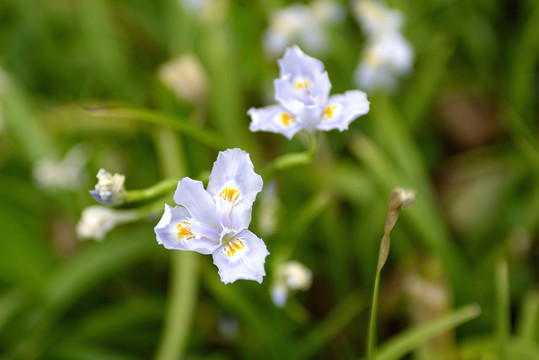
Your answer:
<point x="290" y="160"/>
<point x="400" y="198"/>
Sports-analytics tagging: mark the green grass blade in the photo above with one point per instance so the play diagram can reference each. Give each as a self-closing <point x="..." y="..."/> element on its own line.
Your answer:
<point x="205" y="136"/>
<point x="528" y="328"/>
<point x="400" y="345"/>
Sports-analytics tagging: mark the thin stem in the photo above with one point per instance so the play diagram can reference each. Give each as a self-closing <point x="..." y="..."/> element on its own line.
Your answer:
<point x="291" y="160"/>
<point x="400" y="198"/>
<point x="371" y="335"/>
<point x="183" y="286"/>
<point x="160" y="188"/>
<point x="182" y="300"/>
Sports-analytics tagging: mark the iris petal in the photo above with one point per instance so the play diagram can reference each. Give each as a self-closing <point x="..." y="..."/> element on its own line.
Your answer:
<point x="274" y="119"/>
<point x="341" y="110"/>
<point x="200" y="205"/>
<point x="174" y="232"/>
<point x="242" y="258"/>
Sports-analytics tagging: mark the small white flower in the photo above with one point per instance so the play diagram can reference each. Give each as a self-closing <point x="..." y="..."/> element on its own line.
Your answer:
<point x="66" y="173"/>
<point x="109" y="189"/>
<point x="375" y="18"/>
<point x="290" y="276"/>
<point x="385" y="58"/>
<point x="215" y="221"/>
<point x="96" y="221"/>
<point x="302" y="91"/>
<point x="186" y="77"/>
<point x="387" y="55"/>
<point x="301" y="24"/>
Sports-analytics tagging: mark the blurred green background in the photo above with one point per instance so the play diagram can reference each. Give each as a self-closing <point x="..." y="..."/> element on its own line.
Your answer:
<point x="461" y="130"/>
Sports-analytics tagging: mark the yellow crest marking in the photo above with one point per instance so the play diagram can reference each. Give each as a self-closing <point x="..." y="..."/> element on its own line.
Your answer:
<point x="329" y="112"/>
<point x="302" y="84"/>
<point x="233" y="246"/>
<point x="286" y="119"/>
<point x="184" y="231"/>
<point x="230" y="195"/>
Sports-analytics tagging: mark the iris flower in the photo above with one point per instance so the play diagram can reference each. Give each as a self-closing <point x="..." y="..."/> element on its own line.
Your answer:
<point x="215" y="221"/>
<point x="302" y="92"/>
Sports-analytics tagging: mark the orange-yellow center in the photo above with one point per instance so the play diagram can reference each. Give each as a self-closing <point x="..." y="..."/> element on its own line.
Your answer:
<point x="233" y="246"/>
<point x="302" y="85"/>
<point x="286" y="119"/>
<point x="230" y="195"/>
<point x="184" y="231"/>
<point x="329" y="112"/>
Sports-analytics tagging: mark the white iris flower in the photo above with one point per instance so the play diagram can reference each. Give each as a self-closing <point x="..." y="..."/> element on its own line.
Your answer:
<point x="304" y="102"/>
<point x="215" y="221"/>
<point x="388" y="55"/>
<point x="304" y="24"/>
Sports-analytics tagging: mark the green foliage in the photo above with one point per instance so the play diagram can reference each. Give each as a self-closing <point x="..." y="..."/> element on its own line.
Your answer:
<point x="461" y="130"/>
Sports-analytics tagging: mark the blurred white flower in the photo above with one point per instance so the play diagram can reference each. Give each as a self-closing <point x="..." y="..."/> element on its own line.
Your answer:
<point x="290" y="276"/>
<point x="301" y="24"/>
<point x="384" y="59"/>
<point x="66" y="173"/>
<point x="375" y="18"/>
<point x="387" y="55"/>
<point x="206" y="11"/>
<point x="96" y="221"/>
<point x="109" y="188"/>
<point x="186" y="77"/>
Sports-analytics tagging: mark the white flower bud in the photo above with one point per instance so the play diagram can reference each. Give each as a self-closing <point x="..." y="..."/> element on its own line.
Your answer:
<point x="186" y="77"/>
<point x="96" y="221"/>
<point x="110" y="188"/>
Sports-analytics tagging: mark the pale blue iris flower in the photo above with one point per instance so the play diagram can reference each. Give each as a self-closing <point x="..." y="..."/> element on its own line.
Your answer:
<point x="215" y="221"/>
<point x="302" y="91"/>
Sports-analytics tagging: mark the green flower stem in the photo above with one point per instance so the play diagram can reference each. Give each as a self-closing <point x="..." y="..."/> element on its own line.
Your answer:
<point x="161" y="188"/>
<point x="291" y="160"/>
<point x="181" y="303"/>
<point x="183" y="285"/>
<point x="371" y="335"/>
<point x="400" y="198"/>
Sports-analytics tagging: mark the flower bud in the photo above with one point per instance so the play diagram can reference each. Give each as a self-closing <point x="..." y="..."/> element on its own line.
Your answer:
<point x="186" y="77"/>
<point x="109" y="189"/>
<point x="96" y="221"/>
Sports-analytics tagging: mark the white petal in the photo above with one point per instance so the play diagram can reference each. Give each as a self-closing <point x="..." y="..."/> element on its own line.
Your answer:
<point x="295" y="62"/>
<point x="233" y="178"/>
<point x="174" y="232"/>
<point x="321" y="87"/>
<point x="243" y="258"/>
<point x="232" y="216"/>
<point x="191" y="195"/>
<point x="341" y="110"/>
<point x="274" y="119"/>
<point x="297" y="93"/>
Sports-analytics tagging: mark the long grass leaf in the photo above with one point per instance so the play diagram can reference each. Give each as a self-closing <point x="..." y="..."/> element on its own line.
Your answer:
<point x="400" y="345"/>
